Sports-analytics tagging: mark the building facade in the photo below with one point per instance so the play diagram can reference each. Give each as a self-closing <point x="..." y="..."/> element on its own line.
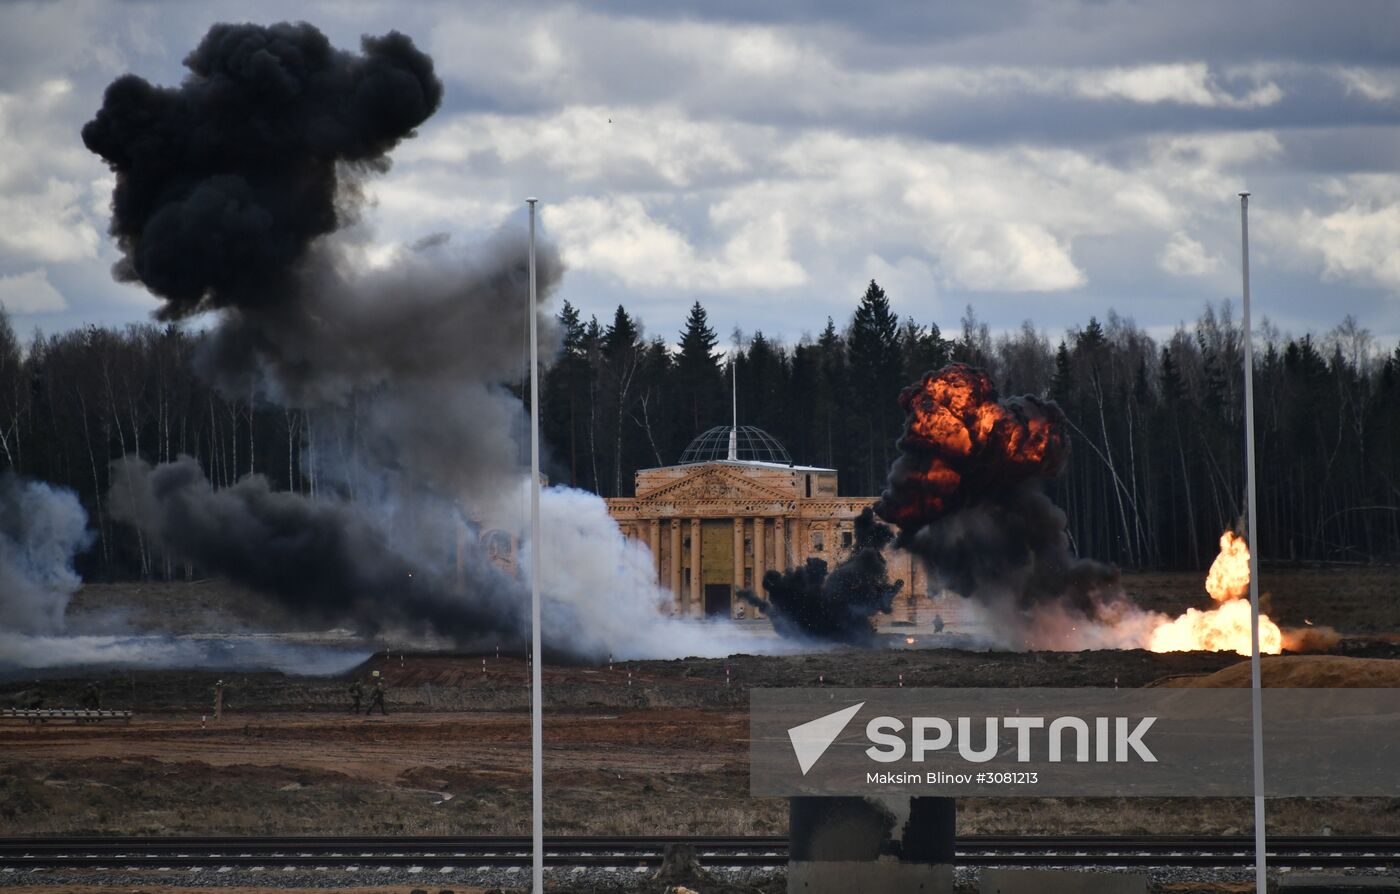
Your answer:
<point x="729" y="512"/>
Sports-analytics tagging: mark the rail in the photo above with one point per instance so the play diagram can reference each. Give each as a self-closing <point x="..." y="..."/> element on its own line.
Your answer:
<point x="1367" y="852"/>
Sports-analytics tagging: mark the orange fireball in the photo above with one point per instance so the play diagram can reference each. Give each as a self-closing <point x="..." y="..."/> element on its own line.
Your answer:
<point x="1226" y="628"/>
<point x="961" y="442"/>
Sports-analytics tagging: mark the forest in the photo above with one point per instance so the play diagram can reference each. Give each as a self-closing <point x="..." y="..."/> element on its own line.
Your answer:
<point x="1156" y="426"/>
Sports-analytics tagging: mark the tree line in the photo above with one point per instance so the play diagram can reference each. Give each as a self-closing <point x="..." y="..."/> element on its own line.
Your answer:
<point x="1156" y="427"/>
<point x="1156" y="467"/>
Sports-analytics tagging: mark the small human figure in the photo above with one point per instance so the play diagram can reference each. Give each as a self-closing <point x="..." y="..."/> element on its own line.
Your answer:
<point x="937" y="623"/>
<point x="357" y="693"/>
<point x="92" y="697"/>
<point x="376" y="698"/>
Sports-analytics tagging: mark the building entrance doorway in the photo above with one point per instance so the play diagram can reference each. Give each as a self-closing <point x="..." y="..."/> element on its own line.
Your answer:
<point x="717" y="599"/>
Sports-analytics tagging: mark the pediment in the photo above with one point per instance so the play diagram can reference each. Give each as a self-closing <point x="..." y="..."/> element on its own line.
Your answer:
<point x="714" y="484"/>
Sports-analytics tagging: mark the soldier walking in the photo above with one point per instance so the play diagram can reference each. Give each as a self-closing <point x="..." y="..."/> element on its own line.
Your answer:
<point x="357" y="693"/>
<point x="376" y="697"/>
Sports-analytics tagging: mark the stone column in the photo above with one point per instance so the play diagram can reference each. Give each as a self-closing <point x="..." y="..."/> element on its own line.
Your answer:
<point x="738" y="563"/>
<point x="780" y="560"/>
<point x="654" y="526"/>
<point x="677" y="560"/>
<point x="697" y="604"/>
<point x="758" y="564"/>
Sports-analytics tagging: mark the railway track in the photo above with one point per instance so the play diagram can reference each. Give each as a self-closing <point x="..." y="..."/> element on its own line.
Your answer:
<point x="595" y="851"/>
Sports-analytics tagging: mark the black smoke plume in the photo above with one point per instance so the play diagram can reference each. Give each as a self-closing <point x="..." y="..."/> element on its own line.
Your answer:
<point x="322" y="556"/>
<point x="224" y="182"/>
<point x="967" y="492"/>
<point x="836" y="606"/>
<point x="233" y="194"/>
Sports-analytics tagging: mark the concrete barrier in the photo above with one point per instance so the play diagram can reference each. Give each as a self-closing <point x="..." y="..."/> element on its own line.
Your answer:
<point x="868" y="877"/>
<point x="1309" y="883"/>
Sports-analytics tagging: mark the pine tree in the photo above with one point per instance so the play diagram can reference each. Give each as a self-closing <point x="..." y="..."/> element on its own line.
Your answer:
<point x="564" y="398"/>
<point x="622" y="355"/>
<point x="922" y="350"/>
<point x="763" y="373"/>
<point x="700" y="388"/>
<point x="832" y="412"/>
<point x="876" y="371"/>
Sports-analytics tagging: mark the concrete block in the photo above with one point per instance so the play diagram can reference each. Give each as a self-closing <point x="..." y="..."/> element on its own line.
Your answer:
<point x="868" y="877"/>
<point x="1060" y="881"/>
<point x="1310" y="883"/>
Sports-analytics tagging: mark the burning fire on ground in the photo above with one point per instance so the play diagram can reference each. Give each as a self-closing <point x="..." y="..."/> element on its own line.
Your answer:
<point x="966" y="493"/>
<point x="1226" y="627"/>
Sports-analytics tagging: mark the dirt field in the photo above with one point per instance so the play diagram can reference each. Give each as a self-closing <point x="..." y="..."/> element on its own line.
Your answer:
<point x="666" y="754"/>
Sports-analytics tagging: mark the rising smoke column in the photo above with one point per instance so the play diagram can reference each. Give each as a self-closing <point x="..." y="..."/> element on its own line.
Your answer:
<point x="836" y="606"/>
<point x="966" y="493"/>
<point x="233" y="192"/>
<point x="42" y="529"/>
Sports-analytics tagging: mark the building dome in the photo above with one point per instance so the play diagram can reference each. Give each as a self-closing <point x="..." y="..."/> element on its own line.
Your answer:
<point x="752" y="445"/>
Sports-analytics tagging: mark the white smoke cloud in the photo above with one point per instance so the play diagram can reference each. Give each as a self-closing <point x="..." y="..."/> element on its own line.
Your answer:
<point x="600" y="592"/>
<point x="159" y="651"/>
<point x="42" y="529"/>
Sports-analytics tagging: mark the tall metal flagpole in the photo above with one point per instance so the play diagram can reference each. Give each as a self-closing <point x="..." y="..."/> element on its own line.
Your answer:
<point x="536" y="656"/>
<point x="1261" y="875"/>
<point x="734" y="397"/>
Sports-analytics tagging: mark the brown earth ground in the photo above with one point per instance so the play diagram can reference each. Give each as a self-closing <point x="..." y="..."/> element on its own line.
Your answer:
<point x="666" y="754"/>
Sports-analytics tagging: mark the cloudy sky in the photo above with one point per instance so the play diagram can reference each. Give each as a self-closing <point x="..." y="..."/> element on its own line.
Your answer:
<point x="1042" y="161"/>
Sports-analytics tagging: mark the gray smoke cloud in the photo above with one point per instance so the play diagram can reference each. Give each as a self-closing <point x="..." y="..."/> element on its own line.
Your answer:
<point x="324" y="557"/>
<point x="42" y="529"/>
<point x="234" y="195"/>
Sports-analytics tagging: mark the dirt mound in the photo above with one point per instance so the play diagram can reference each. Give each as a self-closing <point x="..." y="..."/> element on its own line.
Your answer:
<point x="1299" y="672"/>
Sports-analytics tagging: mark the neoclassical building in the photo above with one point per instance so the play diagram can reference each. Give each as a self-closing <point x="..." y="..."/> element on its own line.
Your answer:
<point x="735" y="506"/>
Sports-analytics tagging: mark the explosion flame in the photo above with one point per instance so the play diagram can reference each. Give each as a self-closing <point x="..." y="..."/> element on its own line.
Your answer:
<point x="960" y="439"/>
<point x="966" y="492"/>
<point x="1225" y="628"/>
